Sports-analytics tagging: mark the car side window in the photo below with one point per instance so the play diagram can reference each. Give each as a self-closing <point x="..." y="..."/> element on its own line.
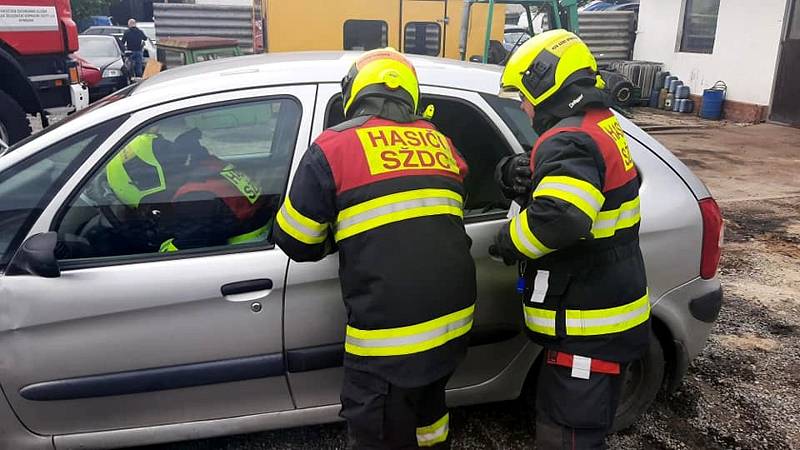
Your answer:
<point x="204" y="180"/>
<point x="27" y="187"/>
<point x="478" y="141"/>
<point x="516" y="119"/>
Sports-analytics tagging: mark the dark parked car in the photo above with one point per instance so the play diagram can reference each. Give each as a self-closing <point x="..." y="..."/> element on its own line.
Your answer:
<point x="104" y="53"/>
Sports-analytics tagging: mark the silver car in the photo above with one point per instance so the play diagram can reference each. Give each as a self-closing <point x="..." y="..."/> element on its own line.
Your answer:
<point x="103" y="347"/>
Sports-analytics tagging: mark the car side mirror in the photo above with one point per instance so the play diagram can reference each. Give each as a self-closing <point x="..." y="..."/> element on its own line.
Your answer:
<point x="476" y="58"/>
<point x="36" y="256"/>
<point x="145" y="54"/>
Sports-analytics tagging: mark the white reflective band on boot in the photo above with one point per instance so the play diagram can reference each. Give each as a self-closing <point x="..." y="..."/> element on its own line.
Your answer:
<point x="435" y="433"/>
<point x="581" y="367"/>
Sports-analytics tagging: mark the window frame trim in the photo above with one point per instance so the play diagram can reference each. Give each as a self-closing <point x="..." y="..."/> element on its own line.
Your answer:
<point x="107" y="261"/>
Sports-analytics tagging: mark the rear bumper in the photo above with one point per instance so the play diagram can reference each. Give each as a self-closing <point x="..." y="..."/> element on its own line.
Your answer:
<point x="688" y="313"/>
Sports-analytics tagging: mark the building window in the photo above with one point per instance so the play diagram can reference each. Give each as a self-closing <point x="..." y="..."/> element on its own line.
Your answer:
<point x="699" y="26"/>
<point x="423" y="38"/>
<point x="365" y="34"/>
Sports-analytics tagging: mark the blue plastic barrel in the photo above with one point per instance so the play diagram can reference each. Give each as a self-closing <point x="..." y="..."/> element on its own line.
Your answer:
<point x="674" y="85"/>
<point x="668" y="80"/>
<point x="683" y="92"/>
<point x="713" y="99"/>
<point x="654" y="98"/>
<point x="687" y="106"/>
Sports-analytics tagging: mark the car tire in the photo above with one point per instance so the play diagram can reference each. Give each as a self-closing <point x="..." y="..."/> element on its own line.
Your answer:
<point x="13" y="120"/>
<point x="643" y="380"/>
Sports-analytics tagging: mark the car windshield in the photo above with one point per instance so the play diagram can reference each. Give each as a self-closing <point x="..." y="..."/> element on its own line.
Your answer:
<point x="97" y="47"/>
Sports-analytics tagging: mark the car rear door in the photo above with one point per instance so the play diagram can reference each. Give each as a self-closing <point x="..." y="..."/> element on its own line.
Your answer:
<point x="315" y="316"/>
<point x="126" y="339"/>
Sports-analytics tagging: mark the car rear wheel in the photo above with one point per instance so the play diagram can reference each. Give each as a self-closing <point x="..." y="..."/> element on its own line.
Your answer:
<point x="643" y="380"/>
<point x="14" y="124"/>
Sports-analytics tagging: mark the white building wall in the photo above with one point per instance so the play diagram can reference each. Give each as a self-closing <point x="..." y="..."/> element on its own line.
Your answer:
<point x="745" y="48"/>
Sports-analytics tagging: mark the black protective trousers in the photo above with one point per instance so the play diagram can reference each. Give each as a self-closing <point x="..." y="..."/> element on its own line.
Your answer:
<point x="381" y="415"/>
<point x="574" y="413"/>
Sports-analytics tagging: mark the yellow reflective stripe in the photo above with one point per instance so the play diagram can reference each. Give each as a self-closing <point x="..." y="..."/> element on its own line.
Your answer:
<point x="409" y="339"/>
<point x="395" y="208"/>
<point x="608" y="222"/>
<point x="583" y="195"/>
<point x="435" y="433"/>
<point x="257" y="235"/>
<point x="540" y="320"/>
<point x="524" y="239"/>
<point x="168" y="246"/>
<point x="607" y="321"/>
<point x="396" y="198"/>
<point x="300" y="227"/>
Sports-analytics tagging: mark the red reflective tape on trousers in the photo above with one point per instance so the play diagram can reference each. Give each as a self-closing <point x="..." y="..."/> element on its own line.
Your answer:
<point x="598" y="365"/>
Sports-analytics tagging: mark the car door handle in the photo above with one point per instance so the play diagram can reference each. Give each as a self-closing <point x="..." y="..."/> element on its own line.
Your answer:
<point x="245" y="291"/>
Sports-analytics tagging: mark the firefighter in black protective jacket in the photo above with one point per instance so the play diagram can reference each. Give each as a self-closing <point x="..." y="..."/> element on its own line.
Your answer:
<point x="577" y="240"/>
<point x="386" y="189"/>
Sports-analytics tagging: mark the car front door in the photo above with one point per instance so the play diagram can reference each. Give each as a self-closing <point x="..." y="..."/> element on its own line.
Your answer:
<point x="133" y="333"/>
<point x="315" y="316"/>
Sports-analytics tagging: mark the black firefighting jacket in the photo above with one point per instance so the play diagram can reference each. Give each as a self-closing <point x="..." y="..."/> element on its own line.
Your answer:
<point x="390" y="197"/>
<point x="585" y="285"/>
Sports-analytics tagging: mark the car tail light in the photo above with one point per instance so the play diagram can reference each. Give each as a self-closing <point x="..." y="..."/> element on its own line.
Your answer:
<point x="712" y="238"/>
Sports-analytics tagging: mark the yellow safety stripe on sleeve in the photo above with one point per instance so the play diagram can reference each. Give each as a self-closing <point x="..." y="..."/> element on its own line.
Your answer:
<point x="524" y="239"/>
<point x="409" y="339"/>
<point x="583" y="195"/>
<point x="435" y="433"/>
<point x="609" y="222"/>
<point x="300" y="227"/>
<point x="608" y="321"/>
<point x="168" y="246"/>
<point x="395" y="208"/>
<point x="540" y="320"/>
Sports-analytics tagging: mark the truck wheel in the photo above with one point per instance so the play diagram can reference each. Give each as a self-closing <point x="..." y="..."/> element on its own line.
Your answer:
<point x="643" y="380"/>
<point x="14" y="124"/>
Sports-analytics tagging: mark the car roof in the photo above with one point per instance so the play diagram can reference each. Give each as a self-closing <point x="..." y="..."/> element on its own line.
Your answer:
<point x="276" y="69"/>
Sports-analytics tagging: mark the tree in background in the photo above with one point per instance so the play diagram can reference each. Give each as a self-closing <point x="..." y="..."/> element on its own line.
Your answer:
<point x="83" y="10"/>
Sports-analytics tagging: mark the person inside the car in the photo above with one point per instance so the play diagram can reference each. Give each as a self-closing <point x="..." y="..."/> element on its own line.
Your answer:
<point x="179" y="196"/>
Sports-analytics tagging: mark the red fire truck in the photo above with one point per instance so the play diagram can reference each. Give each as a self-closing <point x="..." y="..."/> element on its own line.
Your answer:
<point x="37" y="75"/>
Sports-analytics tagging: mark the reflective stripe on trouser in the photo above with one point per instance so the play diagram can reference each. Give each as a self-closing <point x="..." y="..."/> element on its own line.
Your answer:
<point x="435" y="433"/>
<point x="300" y="227"/>
<point x="579" y="193"/>
<point x="524" y="239"/>
<point x="395" y="208"/>
<point x="609" y="222"/>
<point x="410" y="339"/>
<point x="590" y="322"/>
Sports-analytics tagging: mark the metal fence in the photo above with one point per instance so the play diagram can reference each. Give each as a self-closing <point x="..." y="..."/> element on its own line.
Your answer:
<point x="610" y="34"/>
<point x="178" y="19"/>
